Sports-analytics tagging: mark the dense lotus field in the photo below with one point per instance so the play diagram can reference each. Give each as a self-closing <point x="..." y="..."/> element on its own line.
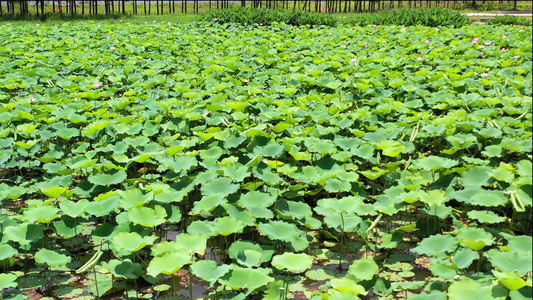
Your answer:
<point x="206" y="160"/>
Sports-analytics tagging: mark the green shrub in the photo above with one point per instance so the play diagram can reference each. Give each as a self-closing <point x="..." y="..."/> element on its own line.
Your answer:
<point x="434" y="17"/>
<point x="510" y="20"/>
<point x="264" y="16"/>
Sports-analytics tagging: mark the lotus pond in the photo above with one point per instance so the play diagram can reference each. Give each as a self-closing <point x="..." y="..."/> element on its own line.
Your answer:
<point x="158" y="160"/>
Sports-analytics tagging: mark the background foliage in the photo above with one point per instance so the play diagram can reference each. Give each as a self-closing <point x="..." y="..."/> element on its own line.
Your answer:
<point x="266" y="162"/>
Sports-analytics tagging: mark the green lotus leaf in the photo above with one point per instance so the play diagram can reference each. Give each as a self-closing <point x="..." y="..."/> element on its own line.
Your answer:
<point x="208" y="203"/>
<point x="41" y="214"/>
<point x="433" y="197"/>
<point x="219" y="185"/>
<point x="476" y="176"/>
<point x="363" y="269"/>
<point x="293" y="262"/>
<point x="391" y="148"/>
<point x="227" y="225"/>
<point x="192" y="243"/>
<point x="245" y="279"/>
<point x="68" y="228"/>
<point x="132" y="241"/>
<point x="24" y="233"/>
<point x="236" y="172"/>
<point x="510" y="261"/>
<point x="208" y="270"/>
<point x="279" y="230"/>
<point x="437" y="246"/>
<point x="347" y="285"/>
<point x="334" y="185"/>
<point x="433" y="295"/>
<point x="51" y="258"/>
<point x="8" y="280"/>
<point x="250" y="254"/>
<point x="134" y="197"/>
<point x="511" y="280"/>
<point x="168" y="263"/>
<point x="468" y="289"/>
<point x="464" y="257"/>
<point x="103" y="207"/>
<point x="294" y="210"/>
<point x="146" y="216"/>
<point x="74" y="209"/>
<point x="270" y="150"/>
<point x="108" y="178"/>
<point x="521" y="244"/>
<point x="347" y="204"/>
<point x="123" y="268"/>
<point x="257" y="202"/>
<point x="7" y="251"/>
<point x="431" y="163"/>
<point x="486" y="216"/>
<point x="53" y="191"/>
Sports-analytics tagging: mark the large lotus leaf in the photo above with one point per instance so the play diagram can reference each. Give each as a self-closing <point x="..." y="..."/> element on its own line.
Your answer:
<point x="347" y="204"/>
<point x="41" y="214"/>
<point x="521" y="244"/>
<point x="108" y="178"/>
<point x="236" y="172"/>
<point x="433" y="197"/>
<point x="293" y="210"/>
<point x="279" y="230"/>
<point x="434" y="295"/>
<point x="464" y="257"/>
<point x="73" y="209"/>
<point x="485" y="216"/>
<point x="511" y="280"/>
<point x="437" y="245"/>
<point x="479" y="196"/>
<point x="363" y="269"/>
<point x="524" y="168"/>
<point x="270" y="150"/>
<point x="123" y="268"/>
<point x="293" y="262"/>
<point x="208" y="203"/>
<point x="391" y="148"/>
<point x="469" y="289"/>
<point x="243" y="278"/>
<point x="68" y="228"/>
<point x="226" y="226"/>
<point x="345" y="222"/>
<point x="238" y="251"/>
<point x="476" y="176"/>
<point x="146" y="216"/>
<point x="510" y="261"/>
<point x="168" y="263"/>
<point x="347" y="285"/>
<point x="131" y="241"/>
<point x="53" y="191"/>
<point x="430" y="163"/>
<point x="7" y="280"/>
<point x="219" y="185"/>
<point x="51" y="258"/>
<point x="334" y="185"/>
<point x="103" y="207"/>
<point x="24" y="233"/>
<point x="474" y="238"/>
<point x="192" y="243"/>
<point x="134" y="197"/>
<point x="257" y="202"/>
<point x="209" y="270"/>
<point x="7" y="251"/>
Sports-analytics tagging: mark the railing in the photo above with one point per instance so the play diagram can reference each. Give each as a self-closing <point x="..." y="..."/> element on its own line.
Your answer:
<point x="196" y="6"/>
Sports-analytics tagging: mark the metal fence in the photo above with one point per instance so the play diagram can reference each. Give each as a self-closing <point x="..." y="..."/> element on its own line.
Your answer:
<point x="23" y="7"/>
